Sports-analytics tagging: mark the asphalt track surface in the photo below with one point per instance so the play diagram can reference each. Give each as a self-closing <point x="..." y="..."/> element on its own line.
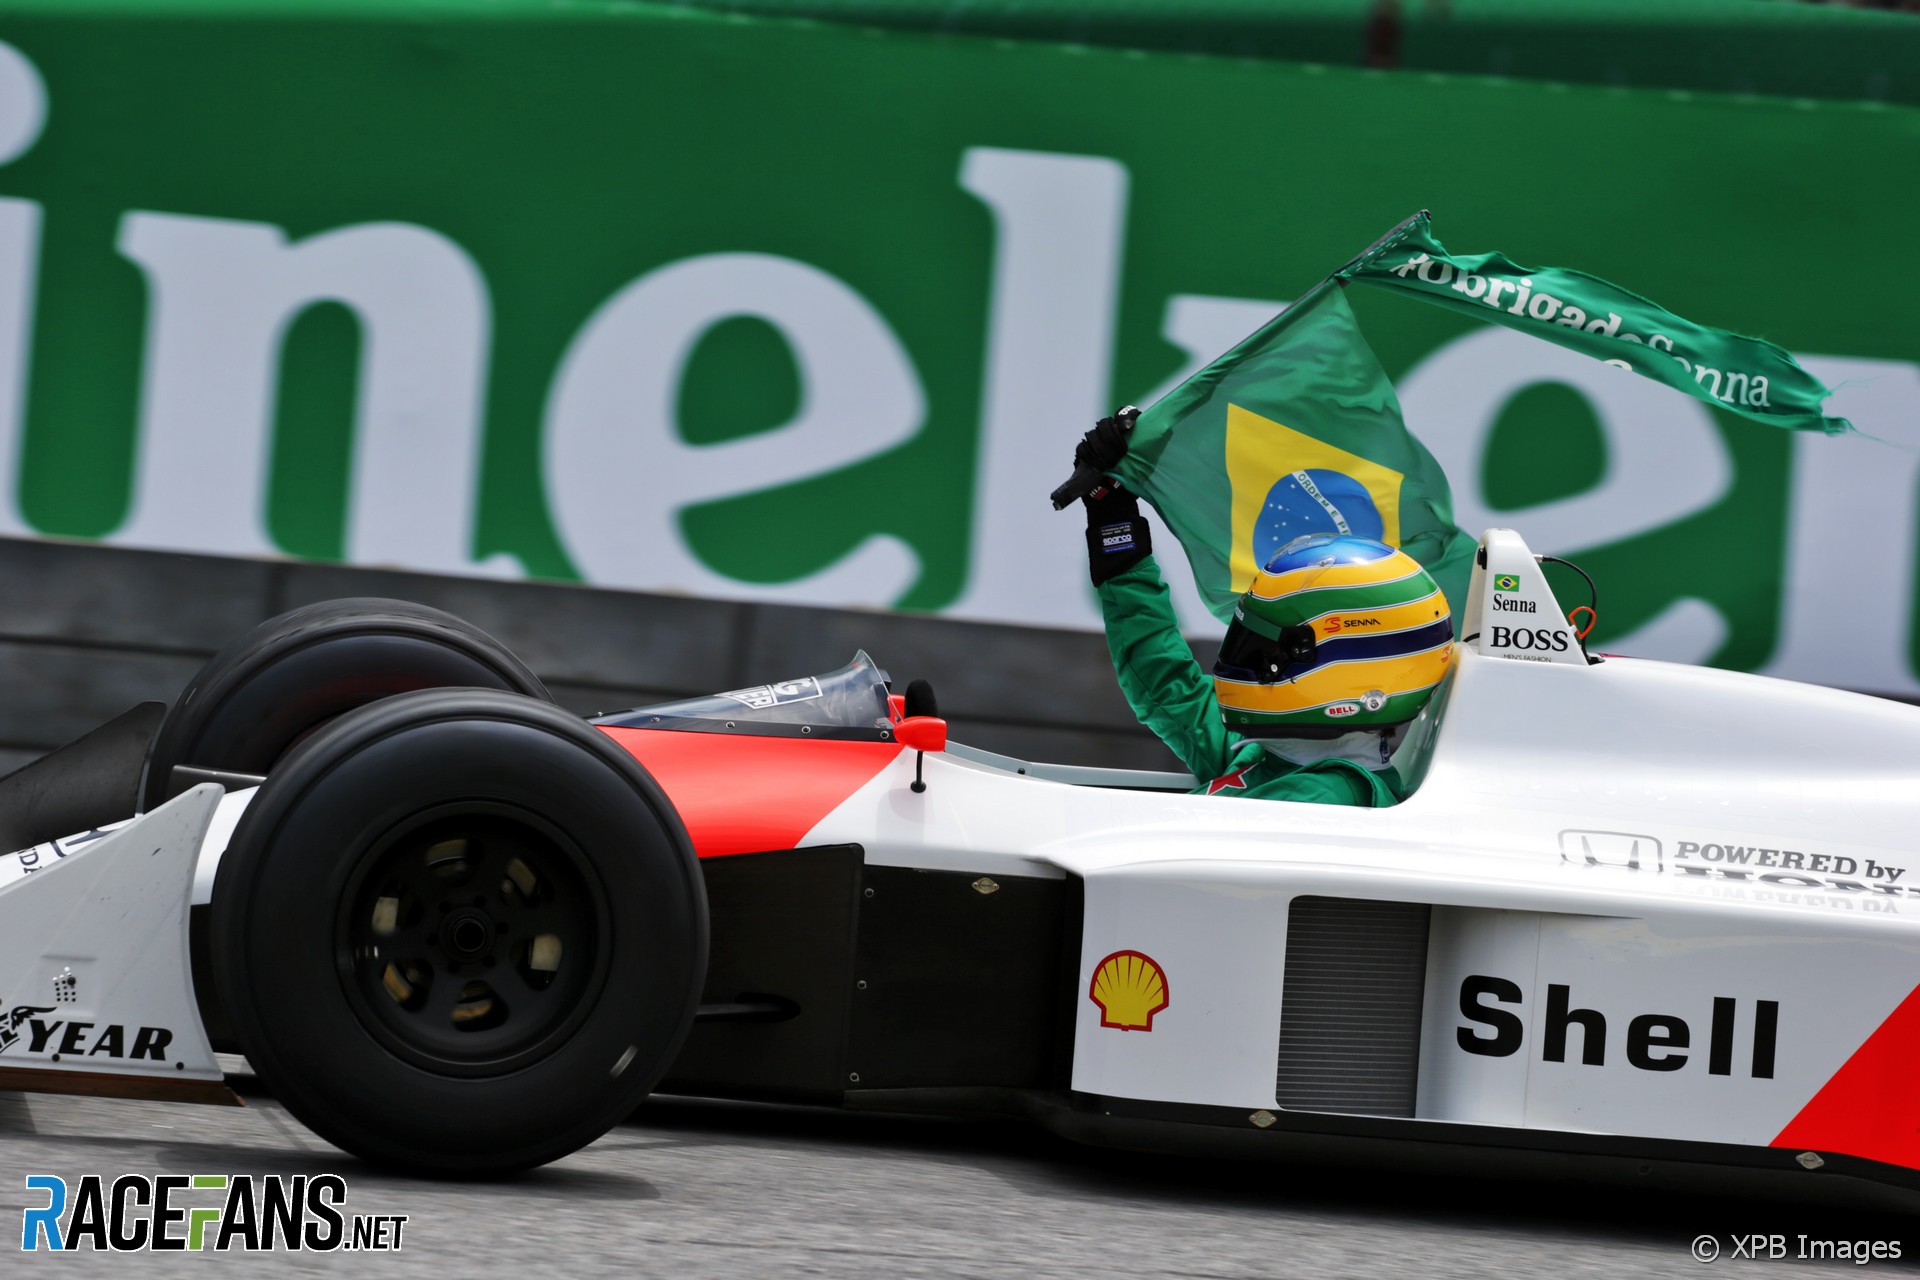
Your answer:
<point x="691" y="1188"/>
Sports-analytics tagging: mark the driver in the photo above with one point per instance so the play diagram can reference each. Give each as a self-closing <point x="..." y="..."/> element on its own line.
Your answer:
<point x="1338" y="644"/>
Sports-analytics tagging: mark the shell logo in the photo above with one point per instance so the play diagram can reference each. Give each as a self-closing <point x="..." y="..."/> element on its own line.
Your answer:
<point x="1129" y="987"/>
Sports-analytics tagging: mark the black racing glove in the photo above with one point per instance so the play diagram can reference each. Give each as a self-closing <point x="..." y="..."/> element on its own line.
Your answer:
<point x="1098" y="452"/>
<point x="1104" y="446"/>
<point x="1118" y="536"/>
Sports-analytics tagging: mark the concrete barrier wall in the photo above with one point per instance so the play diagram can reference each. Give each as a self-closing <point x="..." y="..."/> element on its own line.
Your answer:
<point x="86" y="631"/>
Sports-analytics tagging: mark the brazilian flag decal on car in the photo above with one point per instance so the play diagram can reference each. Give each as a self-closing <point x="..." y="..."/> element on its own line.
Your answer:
<point x="1506" y="582"/>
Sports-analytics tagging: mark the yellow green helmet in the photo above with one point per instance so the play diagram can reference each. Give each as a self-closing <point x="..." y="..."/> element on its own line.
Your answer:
<point x="1335" y="633"/>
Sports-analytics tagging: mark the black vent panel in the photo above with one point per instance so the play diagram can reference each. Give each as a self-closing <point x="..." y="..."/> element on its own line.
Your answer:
<point x="1350" y="1006"/>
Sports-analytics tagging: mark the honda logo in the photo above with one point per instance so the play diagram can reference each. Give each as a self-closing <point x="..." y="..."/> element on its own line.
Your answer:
<point x="1611" y="849"/>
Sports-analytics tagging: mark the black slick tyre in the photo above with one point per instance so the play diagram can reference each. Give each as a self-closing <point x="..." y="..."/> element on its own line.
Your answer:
<point x="459" y="932"/>
<point x="278" y="682"/>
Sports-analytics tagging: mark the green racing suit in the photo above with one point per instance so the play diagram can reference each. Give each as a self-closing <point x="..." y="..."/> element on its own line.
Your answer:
<point x="1171" y="695"/>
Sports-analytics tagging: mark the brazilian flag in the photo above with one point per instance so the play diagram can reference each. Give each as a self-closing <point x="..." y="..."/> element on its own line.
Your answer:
<point x="1297" y="429"/>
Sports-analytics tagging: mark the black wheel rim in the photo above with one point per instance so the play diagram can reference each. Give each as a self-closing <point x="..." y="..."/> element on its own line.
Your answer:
<point x="472" y="939"/>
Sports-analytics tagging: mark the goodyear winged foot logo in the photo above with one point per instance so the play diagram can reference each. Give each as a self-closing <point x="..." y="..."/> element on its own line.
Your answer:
<point x="66" y="1037"/>
<point x="1129" y="987"/>
<point x="11" y="1022"/>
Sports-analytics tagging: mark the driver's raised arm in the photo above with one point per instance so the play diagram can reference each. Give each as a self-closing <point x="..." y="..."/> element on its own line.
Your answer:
<point x="1166" y="688"/>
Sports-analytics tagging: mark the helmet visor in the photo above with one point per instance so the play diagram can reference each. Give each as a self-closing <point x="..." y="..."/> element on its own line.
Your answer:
<point x="1252" y="657"/>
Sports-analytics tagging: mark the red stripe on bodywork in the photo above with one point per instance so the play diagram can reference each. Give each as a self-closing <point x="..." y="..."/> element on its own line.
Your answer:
<point x="1871" y="1106"/>
<point x="739" y="793"/>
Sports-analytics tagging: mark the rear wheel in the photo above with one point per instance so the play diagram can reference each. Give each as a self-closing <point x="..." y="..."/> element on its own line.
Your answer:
<point x="267" y="690"/>
<point x="459" y="932"/>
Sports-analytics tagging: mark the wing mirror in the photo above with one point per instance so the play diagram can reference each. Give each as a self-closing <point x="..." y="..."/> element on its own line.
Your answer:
<point x="923" y="734"/>
<point x="920" y="726"/>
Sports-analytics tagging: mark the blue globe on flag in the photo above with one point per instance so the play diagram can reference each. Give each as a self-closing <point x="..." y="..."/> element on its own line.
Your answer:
<point x="1309" y="502"/>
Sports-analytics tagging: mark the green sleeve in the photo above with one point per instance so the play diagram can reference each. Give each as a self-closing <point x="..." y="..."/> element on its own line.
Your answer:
<point x="1335" y="782"/>
<point x="1163" y="684"/>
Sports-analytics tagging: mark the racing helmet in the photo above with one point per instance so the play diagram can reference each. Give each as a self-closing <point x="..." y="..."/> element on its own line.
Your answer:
<point x="1336" y="633"/>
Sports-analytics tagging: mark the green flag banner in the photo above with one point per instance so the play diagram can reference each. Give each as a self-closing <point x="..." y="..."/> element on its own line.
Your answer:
<point x="1746" y="375"/>
<point x="1297" y="429"/>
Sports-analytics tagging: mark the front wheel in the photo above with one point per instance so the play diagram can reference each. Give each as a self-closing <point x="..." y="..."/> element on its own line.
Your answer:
<point x="459" y="932"/>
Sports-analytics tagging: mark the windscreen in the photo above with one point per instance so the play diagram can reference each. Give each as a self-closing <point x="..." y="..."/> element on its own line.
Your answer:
<point x="854" y="697"/>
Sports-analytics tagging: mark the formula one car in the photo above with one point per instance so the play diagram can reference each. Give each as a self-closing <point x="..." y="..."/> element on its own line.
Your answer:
<point x="1654" y="917"/>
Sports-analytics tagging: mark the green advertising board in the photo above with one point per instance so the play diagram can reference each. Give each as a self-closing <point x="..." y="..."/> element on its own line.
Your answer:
<point x="663" y="300"/>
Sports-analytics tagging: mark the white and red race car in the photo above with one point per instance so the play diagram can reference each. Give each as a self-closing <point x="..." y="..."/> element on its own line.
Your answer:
<point x="1660" y="918"/>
